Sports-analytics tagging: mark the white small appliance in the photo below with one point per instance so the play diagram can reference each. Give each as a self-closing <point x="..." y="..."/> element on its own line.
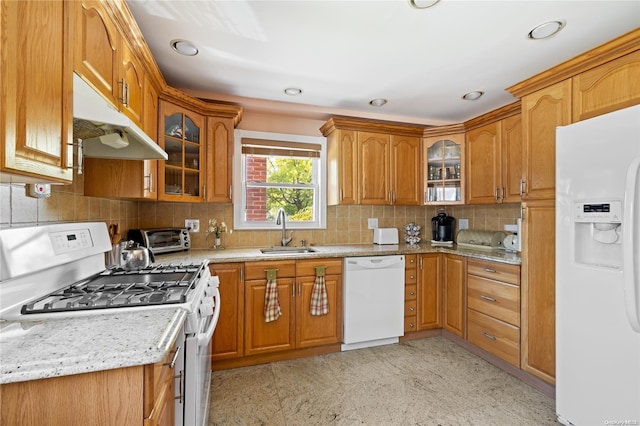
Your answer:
<point x="598" y="269"/>
<point x="385" y="236"/>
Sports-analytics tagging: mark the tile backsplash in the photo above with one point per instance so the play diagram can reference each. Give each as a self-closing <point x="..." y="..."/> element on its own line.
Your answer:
<point x="345" y="224"/>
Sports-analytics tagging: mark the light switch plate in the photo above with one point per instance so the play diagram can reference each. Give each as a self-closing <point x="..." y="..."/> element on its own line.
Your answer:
<point x="372" y="223"/>
<point x="463" y="224"/>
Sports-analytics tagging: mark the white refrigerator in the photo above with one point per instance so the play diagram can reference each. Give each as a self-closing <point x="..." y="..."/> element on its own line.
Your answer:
<point x="597" y="268"/>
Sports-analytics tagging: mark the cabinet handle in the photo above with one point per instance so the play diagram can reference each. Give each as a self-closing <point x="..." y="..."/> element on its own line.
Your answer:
<point x="412" y="309"/>
<point x="299" y="289"/>
<point x="490" y="299"/>
<point x="149" y="177"/>
<point x="341" y="198"/>
<point x="172" y="364"/>
<point x="497" y="193"/>
<point x="124" y="93"/>
<point x="180" y="397"/>
<point x="411" y="325"/>
<point x="231" y="192"/>
<point x="493" y="271"/>
<point x="421" y="263"/>
<point x="522" y="183"/>
<point x="488" y="336"/>
<point x="504" y="191"/>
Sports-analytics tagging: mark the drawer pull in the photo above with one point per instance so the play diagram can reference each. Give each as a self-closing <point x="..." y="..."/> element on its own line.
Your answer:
<point x="412" y="309"/>
<point x="493" y="271"/>
<point x="490" y="299"/>
<point x="411" y="325"/>
<point x="412" y="293"/>
<point x="488" y="336"/>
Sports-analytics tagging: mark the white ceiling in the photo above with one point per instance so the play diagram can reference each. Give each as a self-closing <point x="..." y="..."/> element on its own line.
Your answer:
<point x="342" y="54"/>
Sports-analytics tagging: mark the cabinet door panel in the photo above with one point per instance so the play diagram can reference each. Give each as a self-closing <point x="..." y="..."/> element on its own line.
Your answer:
<point x="429" y="292"/>
<point x="219" y="159"/>
<point x="36" y="90"/>
<point x="538" y="290"/>
<point x="133" y="76"/>
<point x="274" y="336"/>
<point x="542" y="112"/>
<point x="454" y="312"/>
<point x="227" y="340"/>
<point x="373" y="166"/>
<point x="316" y="330"/>
<point x="511" y="156"/>
<point x="483" y="159"/>
<point x="96" y="49"/>
<point x="611" y="86"/>
<point x="405" y="170"/>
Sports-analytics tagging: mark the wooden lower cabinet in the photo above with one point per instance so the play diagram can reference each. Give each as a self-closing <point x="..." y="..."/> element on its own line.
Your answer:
<point x="296" y="328"/>
<point x="411" y="293"/>
<point x="140" y="395"/>
<point x="429" y="291"/>
<point x="493" y="308"/>
<point x="538" y="290"/>
<point x="454" y="293"/>
<point x="228" y="337"/>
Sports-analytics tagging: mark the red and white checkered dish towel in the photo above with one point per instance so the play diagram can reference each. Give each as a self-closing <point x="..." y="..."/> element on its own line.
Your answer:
<point x="272" y="309"/>
<point x="319" y="299"/>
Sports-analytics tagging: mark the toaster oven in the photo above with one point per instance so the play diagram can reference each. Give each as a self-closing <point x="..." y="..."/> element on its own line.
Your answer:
<point x="161" y="240"/>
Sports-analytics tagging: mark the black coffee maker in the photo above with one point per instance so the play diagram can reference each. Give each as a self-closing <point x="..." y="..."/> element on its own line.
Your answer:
<point x="442" y="227"/>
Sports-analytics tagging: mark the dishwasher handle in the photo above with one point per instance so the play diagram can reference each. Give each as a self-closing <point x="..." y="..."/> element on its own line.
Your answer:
<point x="375" y="263"/>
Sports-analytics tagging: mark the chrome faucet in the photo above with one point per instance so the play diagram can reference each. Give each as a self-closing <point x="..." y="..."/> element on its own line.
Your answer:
<point x="280" y="220"/>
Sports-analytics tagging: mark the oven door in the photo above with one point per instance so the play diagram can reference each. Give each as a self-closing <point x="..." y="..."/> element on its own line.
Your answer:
<point x="198" y="368"/>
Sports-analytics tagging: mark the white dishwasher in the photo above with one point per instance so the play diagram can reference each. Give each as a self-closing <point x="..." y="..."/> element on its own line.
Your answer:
<point x="373" y="301"/>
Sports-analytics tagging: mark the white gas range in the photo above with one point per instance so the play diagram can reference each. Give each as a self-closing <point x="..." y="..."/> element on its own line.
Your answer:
<point x="57" y="271"/>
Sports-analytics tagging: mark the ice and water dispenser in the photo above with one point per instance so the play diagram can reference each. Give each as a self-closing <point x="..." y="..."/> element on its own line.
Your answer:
<point x="598" y="234"/>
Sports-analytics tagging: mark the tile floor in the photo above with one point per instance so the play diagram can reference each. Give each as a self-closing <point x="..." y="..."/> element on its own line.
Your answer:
<point x="422" y="382"/>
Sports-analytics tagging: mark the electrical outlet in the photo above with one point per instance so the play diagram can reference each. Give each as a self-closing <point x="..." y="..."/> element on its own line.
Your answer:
<point x="193" y="225"/>
<point x="463" y="224"/>
<point x="372" y="223"/>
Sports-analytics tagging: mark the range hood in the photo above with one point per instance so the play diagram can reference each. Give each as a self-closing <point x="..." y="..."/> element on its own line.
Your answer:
<point x="105" y="132"/>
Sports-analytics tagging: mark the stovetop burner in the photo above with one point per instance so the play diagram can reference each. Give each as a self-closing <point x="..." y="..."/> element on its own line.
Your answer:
<point x="117" y="288"/>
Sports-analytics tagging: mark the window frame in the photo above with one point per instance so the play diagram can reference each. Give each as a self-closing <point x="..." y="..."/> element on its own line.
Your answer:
<point x="239" y="196"/>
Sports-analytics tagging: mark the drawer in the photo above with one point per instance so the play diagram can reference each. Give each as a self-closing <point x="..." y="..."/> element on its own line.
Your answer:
<point x="256" y="270"/>
<point x="410" y="324"/>
<point x="494" y="336"/>
<point x="410" y="292"/>
<point x="410" y="308"/>
<point x="307" y="267"/>
<point x="410" y="276"/>
<point x="411" y="261"/>
<point x="494" y="270"/>
<point x="494" y="298"/>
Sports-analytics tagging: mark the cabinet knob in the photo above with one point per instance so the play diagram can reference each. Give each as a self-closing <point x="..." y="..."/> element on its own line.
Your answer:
<point x="411" y="325"/>
<point x="412" y="293"/>
<point x="412" y="309"/>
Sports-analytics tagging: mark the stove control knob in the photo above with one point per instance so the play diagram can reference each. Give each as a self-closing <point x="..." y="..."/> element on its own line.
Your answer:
<point x="209" y="291"/>
<point x="206" y="310"/>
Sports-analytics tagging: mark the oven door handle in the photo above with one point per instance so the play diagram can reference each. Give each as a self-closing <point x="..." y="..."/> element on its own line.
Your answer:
<point x="205" y="338"/>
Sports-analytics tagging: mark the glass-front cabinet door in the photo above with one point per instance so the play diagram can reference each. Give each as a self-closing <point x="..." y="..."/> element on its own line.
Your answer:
<point x="181" y="177"/>
<point x="444" y="170"/>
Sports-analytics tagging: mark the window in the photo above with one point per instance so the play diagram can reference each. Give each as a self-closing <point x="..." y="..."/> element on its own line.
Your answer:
<point x="277" y="171"/>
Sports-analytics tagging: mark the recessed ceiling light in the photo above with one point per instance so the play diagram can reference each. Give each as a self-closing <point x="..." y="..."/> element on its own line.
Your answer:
<point x="545" y="30"/>
<point x="472" y="96"/>
<point x="293" y="91"/>
<point x="184" y="47"/>
<point x="377" y="102"/>
<point x="422" y="4"/>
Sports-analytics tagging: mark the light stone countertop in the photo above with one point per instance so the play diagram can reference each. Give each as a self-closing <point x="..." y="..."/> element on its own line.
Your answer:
<point x="248" y="254"/>
<point x="31" y="350"/>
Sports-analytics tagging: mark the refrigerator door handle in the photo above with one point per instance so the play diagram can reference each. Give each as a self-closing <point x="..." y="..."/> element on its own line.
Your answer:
<point x="630" y="243"/>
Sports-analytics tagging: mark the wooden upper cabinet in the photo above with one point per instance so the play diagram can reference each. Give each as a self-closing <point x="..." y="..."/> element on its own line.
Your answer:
<point x="97" y="48"/>
<point x="219" y="176"/>
<point x="373" y="166"/>
<point x="132" y="76"/>
<point x="606" y="88"/>
<point x="444" y="166"/>
<point x="405" y="170"/>
<point x="542" y="112"/>
<point x="36" y="82"/>
<point x="511" y="156"/>
<point x="483" y="164"/>
<point x="342" y="166"/>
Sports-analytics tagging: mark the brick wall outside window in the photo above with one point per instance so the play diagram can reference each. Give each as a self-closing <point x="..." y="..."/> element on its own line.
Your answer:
<point x="256" y="197"/>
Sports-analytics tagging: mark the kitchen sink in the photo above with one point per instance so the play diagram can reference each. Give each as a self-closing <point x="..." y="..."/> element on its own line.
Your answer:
<point x="287" y="250"/>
